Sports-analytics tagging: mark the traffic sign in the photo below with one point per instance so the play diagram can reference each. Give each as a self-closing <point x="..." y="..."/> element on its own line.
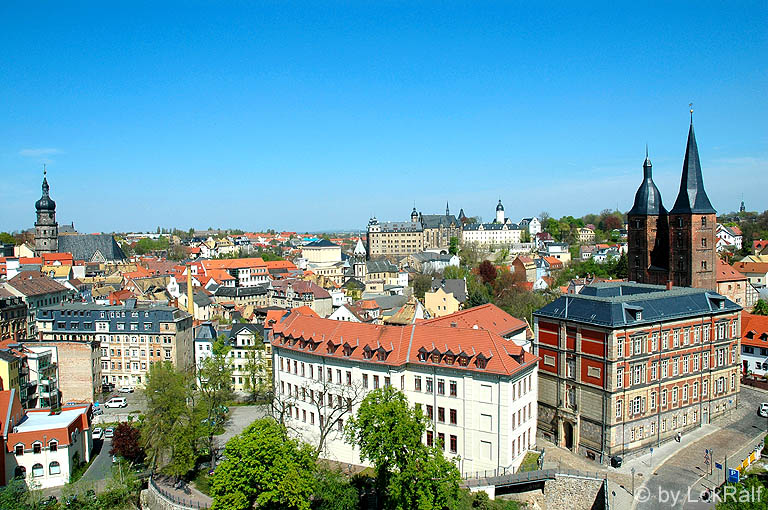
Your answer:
<point x="733" y="475"/>
<point x="718" y="465"/>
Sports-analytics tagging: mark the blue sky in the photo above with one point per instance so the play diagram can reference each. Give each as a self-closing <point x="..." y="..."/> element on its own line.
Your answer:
<point x="310" y="116"/>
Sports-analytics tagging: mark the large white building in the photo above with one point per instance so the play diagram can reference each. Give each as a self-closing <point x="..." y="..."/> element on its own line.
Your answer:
<point x="478" y="388"/>
<point x="501" y="232"/>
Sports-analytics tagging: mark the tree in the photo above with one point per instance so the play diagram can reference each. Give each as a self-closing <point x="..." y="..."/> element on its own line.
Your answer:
<point x="171" y="426"/>
<point x="214" y="380"/>
<point x="263" y="467"/>
<point x="421" y="284"/>
<point x="761" y="307"/>
<point x="453" y="249"/>
<point x="126" y="442"/>
<point x="6" y="238"/>
<point x="333" y="491"/>
<point x="454" y="273"/>
<point x="409" y="474"/>
<point x="487" y="272"/>
<point x="622" y="267"/>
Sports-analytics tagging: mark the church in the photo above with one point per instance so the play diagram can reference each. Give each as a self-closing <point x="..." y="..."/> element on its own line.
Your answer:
<point x="48" y="239"/>
<point x="674" y="247"/>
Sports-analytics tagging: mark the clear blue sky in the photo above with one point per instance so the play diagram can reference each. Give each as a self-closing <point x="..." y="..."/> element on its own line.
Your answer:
<point x="309" y="116"/>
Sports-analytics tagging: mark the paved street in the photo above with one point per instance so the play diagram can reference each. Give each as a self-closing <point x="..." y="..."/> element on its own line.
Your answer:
<point x="136" y="405"/>
<point x="101" y="467"/>
<point x="668" y="481"/>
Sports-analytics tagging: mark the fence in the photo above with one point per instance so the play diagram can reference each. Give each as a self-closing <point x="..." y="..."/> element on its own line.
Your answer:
<point x="178" y="502"/>
<point x="529" y="477"/>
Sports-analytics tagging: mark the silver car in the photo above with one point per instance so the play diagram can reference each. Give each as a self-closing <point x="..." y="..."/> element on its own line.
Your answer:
<point x="763" y="409"/>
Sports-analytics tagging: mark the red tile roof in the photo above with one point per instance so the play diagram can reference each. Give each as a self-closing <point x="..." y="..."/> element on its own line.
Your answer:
<point x="489" y="317"/>
<point x="34" y="283"/>
<point x="726" y="272"/>
<point x="754" y="330"/>
<point x="759" y="244"/>
<point x="398" y="345"/>
<point x="752" y="267"/>
<point x="553" y="261"/>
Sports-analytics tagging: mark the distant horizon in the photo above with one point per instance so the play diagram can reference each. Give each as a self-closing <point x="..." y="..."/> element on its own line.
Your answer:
<point x="291" y="116"/>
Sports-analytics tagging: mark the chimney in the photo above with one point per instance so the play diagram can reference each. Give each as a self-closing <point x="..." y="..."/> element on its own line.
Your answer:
<point x="669" y="284"/>
<point x="190" y="292"/>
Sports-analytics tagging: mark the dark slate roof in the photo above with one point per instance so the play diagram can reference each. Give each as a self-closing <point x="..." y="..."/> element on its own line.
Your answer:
<point x="205" y="332"/>
<point x="353" y="283"/>
<point x="458" y="287"/>
<point x="381" y="266"/>
<point x="647" y="198"/>
<point x="257" y="290"/>
<point x="84" y="246"/>
<point x="239" y="326"/>
<point x="614" y="304"/>
<point x="321" y="243"/>
<point x="400" y="226"/>
<point x="438" y="220"/>
<point x="692" y="199"/>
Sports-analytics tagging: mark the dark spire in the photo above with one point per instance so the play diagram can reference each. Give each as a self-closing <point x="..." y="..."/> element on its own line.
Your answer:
<point x="647" y="198"/>
<point x="447" y="211"/>
<point x="45" y="203"/>
<point x="692" y="199"/>
<point x="499" y="207"/>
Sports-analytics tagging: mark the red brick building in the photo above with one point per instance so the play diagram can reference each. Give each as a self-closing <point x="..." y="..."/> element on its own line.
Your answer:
<point x="676" y="246"/>
<point x="625" y="366"/>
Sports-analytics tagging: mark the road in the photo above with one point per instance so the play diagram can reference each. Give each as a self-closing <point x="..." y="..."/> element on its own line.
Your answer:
<point x="679" y="482"/>
<point x="137" y="404"/>
<point x="101" y="467"/>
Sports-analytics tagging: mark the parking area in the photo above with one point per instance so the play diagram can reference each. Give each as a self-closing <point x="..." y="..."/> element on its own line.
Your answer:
<point x="137" y="404"/>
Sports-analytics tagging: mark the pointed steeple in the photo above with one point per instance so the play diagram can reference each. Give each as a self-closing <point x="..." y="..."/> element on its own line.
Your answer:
<point x="647" y="198"/>
<point x="692" y="199"/>
<point x="45" y="203"/>
<point x="447" y="211"/>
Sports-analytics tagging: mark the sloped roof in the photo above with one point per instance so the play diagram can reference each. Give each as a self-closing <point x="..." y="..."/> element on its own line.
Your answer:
<point x="609" y="304"/>
<point x="726" y="273"/>
<point x="751" y="267"/>
<point x="692" y="199"/>
<point x="85" y="246"/>
<point x="489" y="317"/>
<point x="400" y="345"/>
<point x="456" y="286"/>
<point x="754" y="330"/>
<point x="648" y="198"/>
<point x="34" y="283"/>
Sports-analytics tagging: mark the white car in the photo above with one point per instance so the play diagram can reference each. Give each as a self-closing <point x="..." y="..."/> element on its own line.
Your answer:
<point x="763" y="409"/>
<point x="116" y="402"/>
<point x="109" y="432"/>
<point x="126" y="389"/>
<point x="97" y="433"/>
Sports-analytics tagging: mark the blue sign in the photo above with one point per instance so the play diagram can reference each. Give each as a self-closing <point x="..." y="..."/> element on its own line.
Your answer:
<point x="718" y="465"/>
<point x="733" y="475"/>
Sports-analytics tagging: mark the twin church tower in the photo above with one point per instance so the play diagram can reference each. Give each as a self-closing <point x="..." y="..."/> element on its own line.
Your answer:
<point x="676" y="246"/>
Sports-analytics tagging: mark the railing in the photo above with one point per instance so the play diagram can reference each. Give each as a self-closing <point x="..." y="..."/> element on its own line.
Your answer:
<point x="499" y="478"/>
<point x="182" y="503"/>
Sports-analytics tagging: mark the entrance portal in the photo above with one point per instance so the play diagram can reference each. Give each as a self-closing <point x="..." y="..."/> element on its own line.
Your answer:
<point x="568" y="434"/>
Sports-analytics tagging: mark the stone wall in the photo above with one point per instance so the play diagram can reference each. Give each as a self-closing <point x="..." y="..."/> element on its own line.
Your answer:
<point x="564" y="492"/>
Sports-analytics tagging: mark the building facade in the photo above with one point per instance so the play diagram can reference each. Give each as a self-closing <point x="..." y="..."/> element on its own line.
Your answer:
<point x="13" y="316"/>
<point x="477" y="389"/>
<point x="128" y="337"/>
<point x="627" y="366"/>
<point x="754" y="344"/>
<point x="679" y="245"/>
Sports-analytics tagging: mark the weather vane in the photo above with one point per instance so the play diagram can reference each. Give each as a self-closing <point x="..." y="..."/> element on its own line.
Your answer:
<point x="44" y="170"/>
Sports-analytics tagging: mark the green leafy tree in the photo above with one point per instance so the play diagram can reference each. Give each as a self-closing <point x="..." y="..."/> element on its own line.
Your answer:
<point x="6" y="238"/>
<point x="749" y="494"/>
<point x="214" y="382"/>
<point x="455" y="273"/>
<point x="421" y="284"/>
<point x="409" y="474"/>
<point x="622" y="267"/>
<point x="333" y="491"/>
<point x="453" y="248"/>
<point x="761" y="307"/>
<point x="263" y="467"/>
<point x="171" y="426"/>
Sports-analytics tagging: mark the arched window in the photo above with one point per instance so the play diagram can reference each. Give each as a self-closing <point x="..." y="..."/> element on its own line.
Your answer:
<point x="53" y="445"/>
<point x="37" y="470"/>
<point x="20" y="472"/>
<point x="54" y="468"/>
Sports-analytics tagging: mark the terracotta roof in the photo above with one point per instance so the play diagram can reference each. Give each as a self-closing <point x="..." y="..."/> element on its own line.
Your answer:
<point x="368" y="304"/>
<point x="61" y="257"/>
<point x="752" y="267"/>
<point x="398" y="345"/>
<point x="305" y="310"/>
<point x="274" y="316"/>
<point x="754" y="330"/>
<point x="34" y="283"/>
<point x="726" y="272"/>
<point x="234" y="263"/>
<point x="280" y="264"/>
<point x="553" y="261"/>
<point x="31" y="261"/>
<point x="489" y="317"/>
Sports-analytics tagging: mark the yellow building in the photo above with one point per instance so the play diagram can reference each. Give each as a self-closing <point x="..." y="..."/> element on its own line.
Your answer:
<point x="9" y="371"/>
<point x="445" y="297"/>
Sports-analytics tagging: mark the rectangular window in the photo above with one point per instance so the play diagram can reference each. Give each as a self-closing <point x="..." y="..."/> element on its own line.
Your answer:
<point x="664" y="398"/>
<point x="430" y="388"/>
<point x="653" y="400"/>
<point x="365" y="381"/>
<point x="417" y="383"/>
<point x="430" y="412"/>
<point x="685" y="364"/>
<point x="664" y="368"/>
<point x="430" y="438"/>
<point x="453" y="388"/>
<point x="441" y="386"/>
<point x="453" y="417"/>
<point x="685" y="393"/>
<point x="375" y="382"/>
<point x="620" y="377"/>
<point x="441" y="414"/>
<point x="454" y="444"/>
<point x="618" y="409"/>
<point x="664" y="340"/>
<point x="705" y="360"/>
<point x="620" y="347"/>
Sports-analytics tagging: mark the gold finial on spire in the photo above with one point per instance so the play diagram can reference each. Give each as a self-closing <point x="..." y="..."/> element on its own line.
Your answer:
<point x="690" y="105"/>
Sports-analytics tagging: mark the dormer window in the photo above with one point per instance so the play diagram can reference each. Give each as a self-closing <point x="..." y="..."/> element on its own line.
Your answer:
<point x="37" y="448"/>
<point x="463" y="360"/>
<point x="53" y="446"/>
<point x="381" y="354"/>
<point x="367" y="352"/>
<point x="347" y="350"/>
<point x="422" y="354"/>
<point x="19" y="450"/>
<point x="481" y="362"/>
<point x="449" y="359"/>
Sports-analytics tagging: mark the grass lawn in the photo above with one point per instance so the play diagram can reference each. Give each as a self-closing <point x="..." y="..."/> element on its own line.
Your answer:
<point x="203" y="482"/>
<point x="530" y="462"/>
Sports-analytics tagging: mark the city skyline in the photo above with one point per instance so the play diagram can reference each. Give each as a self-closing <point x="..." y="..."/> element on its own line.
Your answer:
<point x="236" y="124"/>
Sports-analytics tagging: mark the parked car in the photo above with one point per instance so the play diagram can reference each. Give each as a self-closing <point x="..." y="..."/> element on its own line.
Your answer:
<point x="763" y="409"/>
<point x="126" y="389"/>
<point x="107" y="387"/>
<point x="97" y="432"/>
<point x="116" y="402"/>
<point x="109" y="432"/>
<point x="97" y="410"/>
